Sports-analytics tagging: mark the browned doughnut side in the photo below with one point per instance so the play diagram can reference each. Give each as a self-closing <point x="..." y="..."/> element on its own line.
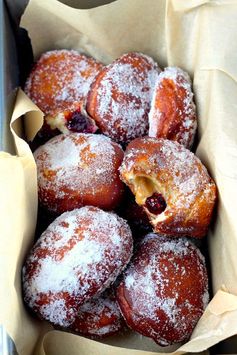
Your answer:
<point x="78" y="256"/>
<point x="173" y="112"/>
<point x="164" y="290"/>
<point x="164" y="170"/>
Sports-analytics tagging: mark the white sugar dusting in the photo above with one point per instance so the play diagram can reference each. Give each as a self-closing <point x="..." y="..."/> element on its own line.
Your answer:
<point x="124" y="97"/>
<point x="149" y="283"/>
<point x="189" y="176"/>
<point x="69" y="77"/>
<point x="55" y="312"/>
<point x="96" y="309"/>
<point x="186" y="116"/>
<point x="81" y="251"/>
<point x="79" y="162"/>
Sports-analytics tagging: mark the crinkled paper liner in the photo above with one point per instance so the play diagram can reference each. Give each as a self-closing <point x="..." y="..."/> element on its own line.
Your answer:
<point x="200" y="37"/>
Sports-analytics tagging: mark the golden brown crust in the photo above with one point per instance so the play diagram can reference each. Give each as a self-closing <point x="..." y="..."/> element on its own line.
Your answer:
<point x="60" y="80"/>
<point x="99" y="317"/>
<point x="157" y="165"/>
<point x="78" y="256"/>
<point x="79" y="169"/>
<point x="120" y="96"/>
<point x="173" y="113"/>
<point x="164" y="290"/>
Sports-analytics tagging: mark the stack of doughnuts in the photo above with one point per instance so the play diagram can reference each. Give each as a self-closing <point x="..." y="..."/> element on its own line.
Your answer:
<point x="115" y="170"/>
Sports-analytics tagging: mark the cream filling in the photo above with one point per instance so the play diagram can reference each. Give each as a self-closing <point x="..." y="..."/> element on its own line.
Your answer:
<point x="145" y="187"/>
<point x="57" y="122"/>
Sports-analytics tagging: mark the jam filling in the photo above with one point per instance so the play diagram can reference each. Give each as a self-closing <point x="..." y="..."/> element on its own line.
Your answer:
<point x="156" y="203"/>
<point x="77" y="122"/>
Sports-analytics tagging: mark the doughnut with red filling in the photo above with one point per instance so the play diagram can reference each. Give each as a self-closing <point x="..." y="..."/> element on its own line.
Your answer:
<point x="171" y="184"/>
<point x="58" y="84"/>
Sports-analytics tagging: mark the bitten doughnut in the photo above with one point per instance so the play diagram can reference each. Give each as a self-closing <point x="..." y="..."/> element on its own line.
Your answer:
<point x="79" y="169"/>
<point x="164" y="290"/>
<point x="173" y="112"/>
<point x="99" y="317"/>
<point x="171" y="184"/>
<point x="120" y="96"/>
<point x="78" y="256"/>
<point x="58" y="84"/>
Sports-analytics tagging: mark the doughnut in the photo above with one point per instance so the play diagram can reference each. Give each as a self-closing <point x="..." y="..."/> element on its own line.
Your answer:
<point x="78" y="256"/>
<point x="120" y="96"/>
<point x="99" y="317"/>
<point x="79" y="169"/>
<point x="173" y="112"/>
<point x="164" y="290"/>
<point x="171" y="184"/>
<point x="58" y="84"/>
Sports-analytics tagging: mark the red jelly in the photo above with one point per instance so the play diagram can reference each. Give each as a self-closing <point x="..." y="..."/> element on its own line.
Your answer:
<point x="78" y="122"/>
<point x="156" y="203"/>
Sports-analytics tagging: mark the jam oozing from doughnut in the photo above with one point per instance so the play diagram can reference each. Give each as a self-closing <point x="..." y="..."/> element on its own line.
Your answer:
<point x="156" y="203"/>
<point x="77" y="122"/>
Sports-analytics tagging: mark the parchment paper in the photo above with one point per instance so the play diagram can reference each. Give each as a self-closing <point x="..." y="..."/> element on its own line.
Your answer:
<point x="197" y="35"/>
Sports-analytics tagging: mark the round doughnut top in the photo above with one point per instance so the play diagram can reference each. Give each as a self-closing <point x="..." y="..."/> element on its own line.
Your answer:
<point x="79" y="255"/>
<point x="120" y="96"/>
<point x="99" y="317"/>
<point x="77" y="164"/>
<point x="60" y="80"/>
<point x="164" y="291"/>
<point x="165" y="167"/>
<point x="173" y="112"/>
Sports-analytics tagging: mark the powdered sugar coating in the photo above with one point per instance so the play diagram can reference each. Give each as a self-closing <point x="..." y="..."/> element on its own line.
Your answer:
<point x="164" y="291"/>
<point x="79" y="255"/>
<point x="99" y="317"/>
<point x="181" y="178"/>
<point x="79" y="169"/>
<point x="60" y="80"/>
<point x="173" y="112"/>
<point x="120" y="96"/>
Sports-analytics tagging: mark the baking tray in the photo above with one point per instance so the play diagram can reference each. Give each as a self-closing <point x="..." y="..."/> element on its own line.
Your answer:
<point x="15" y="59"/>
